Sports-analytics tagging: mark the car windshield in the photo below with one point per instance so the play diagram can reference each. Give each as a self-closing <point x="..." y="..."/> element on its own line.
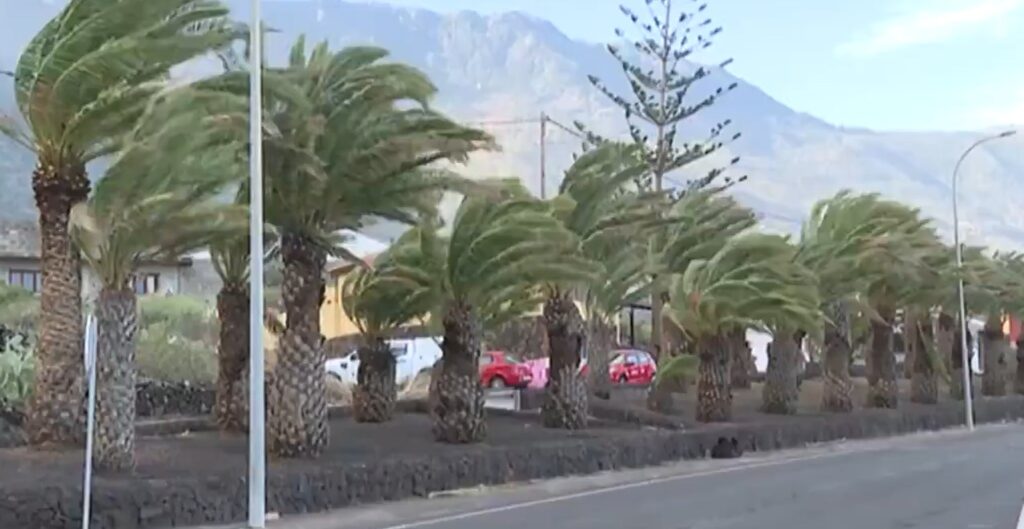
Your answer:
<point x="512" y="359"/>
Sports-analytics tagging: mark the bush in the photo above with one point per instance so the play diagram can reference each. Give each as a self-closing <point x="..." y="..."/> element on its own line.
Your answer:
<point x="17" y="368"/>
<point x="184" y="316"/>
<point x="178" y="340"/>
<point x="163" y="354"/>
<point x="19" y="310"/>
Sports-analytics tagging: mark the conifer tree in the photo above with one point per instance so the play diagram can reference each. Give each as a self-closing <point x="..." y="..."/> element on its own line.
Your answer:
<point x="656" y="62"/>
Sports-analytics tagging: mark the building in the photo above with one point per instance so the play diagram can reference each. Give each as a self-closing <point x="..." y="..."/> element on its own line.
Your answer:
<point x="20" y="265"/>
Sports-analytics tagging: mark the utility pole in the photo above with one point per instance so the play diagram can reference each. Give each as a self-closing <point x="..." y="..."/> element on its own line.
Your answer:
<point x="543" y="155"/>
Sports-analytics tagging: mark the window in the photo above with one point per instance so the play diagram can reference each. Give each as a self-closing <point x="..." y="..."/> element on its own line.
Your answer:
<point x="399" y="350"/>
<point x="486" y="360"/>
<point x="145" y="284"/>
<point x="27" y="279"/>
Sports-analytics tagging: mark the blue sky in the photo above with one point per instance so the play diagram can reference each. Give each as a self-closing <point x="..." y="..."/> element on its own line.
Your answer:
<point x="883" y="64"/>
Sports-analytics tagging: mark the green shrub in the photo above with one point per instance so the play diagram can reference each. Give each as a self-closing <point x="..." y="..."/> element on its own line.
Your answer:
<point x="177" y="341"/>
<point x="183" y="316"/>
<point x="164" y="354"/>
<point x="17" y="367"/>
<point x="19" y="309"/>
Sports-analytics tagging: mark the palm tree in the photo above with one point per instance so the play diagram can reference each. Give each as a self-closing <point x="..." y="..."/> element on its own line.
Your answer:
<point x="80" y="85"/>
<point x="155" y="202"/>
<point x="342" y="151"/>
<point x="848" y="242"/>
<point x="755" y="281"/>
<point x="908" y="239"/>
<point x="484" y="273"/>
<point x="230" y="259"/>
<point x="594" y="204"/>
<point x="994" y="287"/>
<point x="378" y="307"/>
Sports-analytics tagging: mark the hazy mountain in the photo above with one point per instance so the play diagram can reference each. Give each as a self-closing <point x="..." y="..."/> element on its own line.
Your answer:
<point x="513" y="67"/>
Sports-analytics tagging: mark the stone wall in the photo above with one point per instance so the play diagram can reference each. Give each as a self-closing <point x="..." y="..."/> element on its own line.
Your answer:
<point x="156" y="399"/>
<point x="155" y="503"/>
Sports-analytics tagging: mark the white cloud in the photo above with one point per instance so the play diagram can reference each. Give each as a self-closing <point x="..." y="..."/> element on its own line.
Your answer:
<point x="933" y="24"/>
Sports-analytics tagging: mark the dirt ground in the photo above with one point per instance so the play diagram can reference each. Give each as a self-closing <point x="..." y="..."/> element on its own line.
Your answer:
<point x="210" y="453"/>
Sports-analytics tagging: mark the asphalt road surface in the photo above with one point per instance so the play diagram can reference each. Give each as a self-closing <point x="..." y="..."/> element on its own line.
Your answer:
<point x="947" y="480"/>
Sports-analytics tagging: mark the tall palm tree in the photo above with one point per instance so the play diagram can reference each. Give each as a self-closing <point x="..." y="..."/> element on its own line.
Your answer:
<point x="155" y="202"/>
<point x="80" y="85"/>
<point x="378" y="307"/>
<point x="346" y="148"/>
<point x="994" y="287"/>
<point x="846" y="242"/>
<point x="910" y="238"/>
<point x="595" y="205"/>
<point x="485" y="272"/>
<point x="754" y="281"/>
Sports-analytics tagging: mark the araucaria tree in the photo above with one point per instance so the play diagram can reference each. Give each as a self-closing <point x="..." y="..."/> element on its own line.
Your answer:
<point x="347" y="146"/>
<point x="156" y="202"/>
<point x="80" y="85"/>
<point x="753" y="281"/>
<point x="660" y="78"/>
<point x="488" y="270"/>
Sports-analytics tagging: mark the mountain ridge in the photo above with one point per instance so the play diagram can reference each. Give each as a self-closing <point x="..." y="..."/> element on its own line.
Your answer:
<point x="513" y="66"/>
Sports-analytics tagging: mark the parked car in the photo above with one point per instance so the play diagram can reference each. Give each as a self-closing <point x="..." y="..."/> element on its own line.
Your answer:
<point x="411" y="356"/>
<point x="540" y="369"/>
<point x="499" y="369"/>
<point x="632" y="366"/>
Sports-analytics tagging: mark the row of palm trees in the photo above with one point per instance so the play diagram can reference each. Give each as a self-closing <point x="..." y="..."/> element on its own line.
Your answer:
<point x="350" y="137"/>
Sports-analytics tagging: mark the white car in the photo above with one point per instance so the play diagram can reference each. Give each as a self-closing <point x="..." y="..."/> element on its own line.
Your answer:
<point x="411" y="356"/>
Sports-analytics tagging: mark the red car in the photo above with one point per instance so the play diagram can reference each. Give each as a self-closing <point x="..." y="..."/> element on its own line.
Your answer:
<point x="632" y="367"/>
<point x="502" y="370"/>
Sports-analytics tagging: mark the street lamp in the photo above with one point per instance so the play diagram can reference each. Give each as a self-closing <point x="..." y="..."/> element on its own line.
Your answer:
<point x="257" y="423"/>
<point x="965" y="356"/>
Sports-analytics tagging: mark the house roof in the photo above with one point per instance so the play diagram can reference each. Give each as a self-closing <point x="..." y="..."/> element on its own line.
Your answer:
<point x="20" y="240"/>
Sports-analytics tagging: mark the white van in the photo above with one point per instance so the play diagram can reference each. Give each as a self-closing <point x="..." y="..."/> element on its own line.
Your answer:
<point x="412" y="355"/>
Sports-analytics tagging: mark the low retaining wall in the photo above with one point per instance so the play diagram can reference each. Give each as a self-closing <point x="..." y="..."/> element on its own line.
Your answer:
<point x="135" y="504"/>
<point x="155" y="399"/>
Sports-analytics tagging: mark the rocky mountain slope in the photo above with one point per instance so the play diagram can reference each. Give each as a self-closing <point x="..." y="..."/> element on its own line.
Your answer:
<point x="511" y="67"/>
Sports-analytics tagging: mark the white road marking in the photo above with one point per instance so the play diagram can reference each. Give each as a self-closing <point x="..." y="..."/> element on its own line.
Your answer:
<point x="1020" y="519"/>
<point x="615" y="488"/>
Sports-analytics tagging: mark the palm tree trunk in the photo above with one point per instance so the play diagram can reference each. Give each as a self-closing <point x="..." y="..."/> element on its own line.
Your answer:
<point x="837" y="396"/>
<point x="714" y="392"/>
<point x="55" y="413"/>
<point x="884" y="390"/>
<point x="780" y="394"/>
<point x="1018" y="380"/>
<point x="456" y="397"/>
<point x="600" y="344"/>
<point x="565" y="400"/>
<point x="114" y="444"/>
<point x="993" y="382"/>
<point x="374" y="397"/>
<point x="297" y="397"/>
<point x="233" y="358"/>
<point x="924" y="378"/>
<point x="742" y="361"/>
<point x="944" y="337"/>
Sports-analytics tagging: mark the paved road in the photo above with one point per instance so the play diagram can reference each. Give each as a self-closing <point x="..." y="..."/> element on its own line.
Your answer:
<point x="948" y="480"/>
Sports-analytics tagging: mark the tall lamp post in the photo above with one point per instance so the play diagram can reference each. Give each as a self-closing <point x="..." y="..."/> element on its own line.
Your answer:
<point x="257" y="424"/>
<point x="965" y="354"/>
